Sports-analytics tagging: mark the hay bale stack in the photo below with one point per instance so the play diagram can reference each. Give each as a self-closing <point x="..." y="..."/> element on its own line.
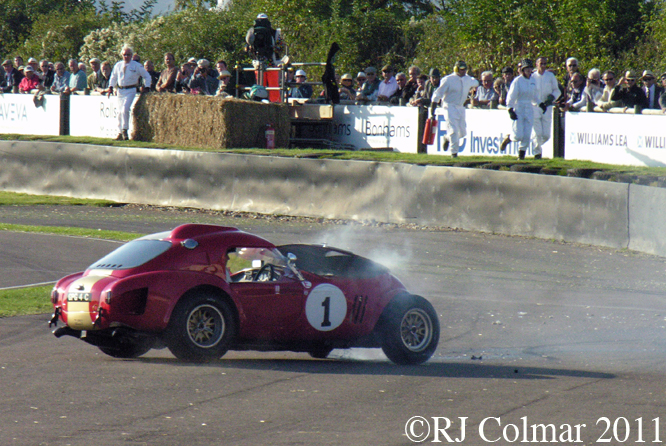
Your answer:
<point x="207" y="121"/>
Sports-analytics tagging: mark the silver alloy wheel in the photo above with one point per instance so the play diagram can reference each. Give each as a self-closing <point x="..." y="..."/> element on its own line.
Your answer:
<point x="205" y="326"/>
<point x="416" y="330"/>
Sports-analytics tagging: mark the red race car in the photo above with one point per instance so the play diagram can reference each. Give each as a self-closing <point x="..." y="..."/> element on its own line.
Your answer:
<point x="201" y="290"/>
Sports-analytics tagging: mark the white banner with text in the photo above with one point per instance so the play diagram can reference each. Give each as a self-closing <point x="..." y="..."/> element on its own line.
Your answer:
<point x="376" y="127"/>
<point x="634" y="140"/>
<point x="20" y="115"/>
<point x="95" y="116"/>
<point x="485" y="131"/>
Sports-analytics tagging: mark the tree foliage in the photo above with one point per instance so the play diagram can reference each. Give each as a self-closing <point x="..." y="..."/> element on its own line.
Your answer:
<point x="485" y="33"/>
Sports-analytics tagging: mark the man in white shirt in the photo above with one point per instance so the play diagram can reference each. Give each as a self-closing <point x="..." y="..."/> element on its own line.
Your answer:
<point x="547" y="91"/>
<point x="388" y="86"/>
<point x="453" y="91"/>
<point x="125" y="80"/>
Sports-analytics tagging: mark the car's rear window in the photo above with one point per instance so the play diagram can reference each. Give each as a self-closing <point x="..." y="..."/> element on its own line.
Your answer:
<point x="132" y="254"/>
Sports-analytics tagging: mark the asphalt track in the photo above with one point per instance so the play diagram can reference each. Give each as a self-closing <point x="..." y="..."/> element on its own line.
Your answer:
<point x="533" y="332"/>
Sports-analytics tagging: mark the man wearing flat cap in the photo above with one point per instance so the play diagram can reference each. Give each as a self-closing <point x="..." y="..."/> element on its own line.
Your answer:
<point x="203" y="79"/>
<point x="453" y="92"/>
<point x="630" y="94"/>
<point x="12" y="78"/>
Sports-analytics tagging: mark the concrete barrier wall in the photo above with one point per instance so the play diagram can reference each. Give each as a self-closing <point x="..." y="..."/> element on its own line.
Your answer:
<point x="601" y="213"/>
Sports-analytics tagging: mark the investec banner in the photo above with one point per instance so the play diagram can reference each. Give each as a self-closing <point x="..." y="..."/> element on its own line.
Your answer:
<point x="635" y="140"/>
<point x="376" y="126"/>
<point x="18" y="114"/>
<point x="485" y="131"/>
<point x="95" y="116"/>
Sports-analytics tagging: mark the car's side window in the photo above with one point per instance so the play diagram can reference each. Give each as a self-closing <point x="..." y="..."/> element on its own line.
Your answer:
<point x="247" y="264"/>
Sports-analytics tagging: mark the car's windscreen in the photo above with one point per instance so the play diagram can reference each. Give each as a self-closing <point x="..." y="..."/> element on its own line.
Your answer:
<point x="332" y="262"/>
<point x="132" y="254"/>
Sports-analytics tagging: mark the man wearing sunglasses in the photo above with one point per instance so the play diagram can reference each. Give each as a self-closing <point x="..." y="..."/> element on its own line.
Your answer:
<point x="629" y="94"/>
<point x="651" y="89"/>
<point x="370" y="89"/>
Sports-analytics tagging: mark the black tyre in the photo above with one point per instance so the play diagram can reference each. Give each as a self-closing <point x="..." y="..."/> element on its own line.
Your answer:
<point x="409" y="330"/>
<point x="125" y="346"/>
<point x="201" y="328"/>
<point x="320" y="352"/>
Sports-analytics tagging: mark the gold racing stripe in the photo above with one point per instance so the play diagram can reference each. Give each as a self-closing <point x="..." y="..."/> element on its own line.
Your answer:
<point x="79" y="301"/>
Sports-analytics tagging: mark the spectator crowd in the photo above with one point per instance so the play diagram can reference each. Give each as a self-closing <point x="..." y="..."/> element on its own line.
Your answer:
<point x="593" y="91"/>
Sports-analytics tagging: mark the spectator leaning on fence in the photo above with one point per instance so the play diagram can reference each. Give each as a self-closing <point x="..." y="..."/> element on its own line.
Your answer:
<point x="46" y="74"/>
<point x="30" y="81"/>
<point x="13" y="77"/>
<point x="125" y="80"/>
<point x="102" y="85"/>
<point x="370" y="88"/>
<point x="77" y="78"/>
<point x="651" y="89"/>
<point x="388" y="86"/>
<point x="61" y="79"/>
<point x="346" y="90"/>
<point x="662" y="98"/>
<point x="593" y="91"/>
<point x="485" y="94"/>
<point x="507" y="75"/>
<point x="604" y="103"/>
<point x="93" y="78"/>
<point x="453" y="91"/>
<point x="397" y="98"/>
<point x="629" y="94"/>
<point x="167" y="80"/>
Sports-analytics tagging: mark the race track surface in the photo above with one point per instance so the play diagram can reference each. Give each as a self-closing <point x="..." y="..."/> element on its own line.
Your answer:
<point x="534" y="332"/>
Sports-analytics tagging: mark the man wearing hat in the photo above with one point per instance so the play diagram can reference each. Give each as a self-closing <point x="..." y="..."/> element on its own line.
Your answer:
<point x="125" y="80"/>
<point x="388" y="86"/>
<point x="629" y="94"/>
<point x="433" y="82"/>
<point x="30" y="81"/>
<point x="12" y="78"/>
<point x="347" y="91"/>
<point x="302" y="90"/>
<point x="453" y="91"/>
<point x="224" y="77"/>
<point x="370" y="89"/>
<point x="651" y="89"/>
<point x="203" y="80"/>
<point x="520" y="100"/>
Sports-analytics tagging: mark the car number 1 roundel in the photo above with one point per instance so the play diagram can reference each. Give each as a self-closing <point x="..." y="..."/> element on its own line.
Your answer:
<point x="326" y="307"/>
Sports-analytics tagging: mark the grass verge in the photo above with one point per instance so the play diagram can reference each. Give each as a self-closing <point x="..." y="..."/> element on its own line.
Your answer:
<point x="70" y="231"/>
<point x="18" y="199"/>
<point x="557" y="164"/>
<point x="22" y="301"/>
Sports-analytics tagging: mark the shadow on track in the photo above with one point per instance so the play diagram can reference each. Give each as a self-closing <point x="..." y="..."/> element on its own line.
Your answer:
<point x="355" y="367"/>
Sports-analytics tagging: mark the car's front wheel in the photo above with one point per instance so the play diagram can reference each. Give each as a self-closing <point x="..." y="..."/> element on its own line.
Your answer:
<point x="201" y="328"/>
<point x="409" y="330"/>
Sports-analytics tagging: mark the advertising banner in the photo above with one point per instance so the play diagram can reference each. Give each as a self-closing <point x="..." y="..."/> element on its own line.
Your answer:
<point x="95" y="116"/>
<point x="376" y="127"/>
<point x="20" y="115"/>
<point x="485" y="131"/>
<point x="634" y="140"/>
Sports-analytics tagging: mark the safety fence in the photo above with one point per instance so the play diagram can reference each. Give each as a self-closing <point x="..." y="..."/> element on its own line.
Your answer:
<point x="614" y="138"/>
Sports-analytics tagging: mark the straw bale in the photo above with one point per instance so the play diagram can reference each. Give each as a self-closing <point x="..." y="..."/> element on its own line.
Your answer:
<point x="208" y="121"/>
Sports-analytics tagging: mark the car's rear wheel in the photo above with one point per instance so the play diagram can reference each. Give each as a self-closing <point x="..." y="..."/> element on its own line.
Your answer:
<point x="409" y="330"/>
<point x="126" y="346"/>
<point x="320" y="352"/>
<point x="201" y="328"/>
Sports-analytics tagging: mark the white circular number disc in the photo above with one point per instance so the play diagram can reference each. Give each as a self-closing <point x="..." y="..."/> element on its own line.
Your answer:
<point x="326" y="307"/>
